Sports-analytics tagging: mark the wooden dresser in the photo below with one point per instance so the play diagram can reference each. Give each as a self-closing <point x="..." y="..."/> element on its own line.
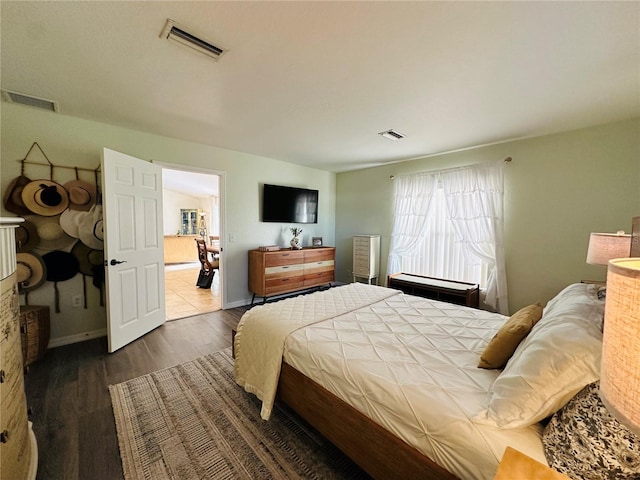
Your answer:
<point x="284" y="271"/>
<point x="18" y="448"/>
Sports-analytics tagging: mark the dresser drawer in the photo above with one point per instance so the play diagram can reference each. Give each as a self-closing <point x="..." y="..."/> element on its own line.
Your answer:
<point x="318" y="278"/>
<point x="284" y="270"/>
<point x="319" y="266"/>
<point x="362" y="271"/>
<point x="283" y="284"/>
<point x="287" y="257"/>
<point x="361" y="260"/>
<point x="318" y="255"/>
<point x="362" y="242"/>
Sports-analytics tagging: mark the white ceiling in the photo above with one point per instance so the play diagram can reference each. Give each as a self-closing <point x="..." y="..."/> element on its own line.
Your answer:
<point x="314" y="82"/>
<point x="197" y="185"/>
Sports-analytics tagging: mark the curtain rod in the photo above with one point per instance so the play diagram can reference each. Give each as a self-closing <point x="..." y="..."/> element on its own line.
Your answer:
<point x="391" y="177"/>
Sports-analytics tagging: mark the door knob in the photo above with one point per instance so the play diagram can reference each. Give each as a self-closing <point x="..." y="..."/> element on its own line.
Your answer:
<point x="116" y="262"/>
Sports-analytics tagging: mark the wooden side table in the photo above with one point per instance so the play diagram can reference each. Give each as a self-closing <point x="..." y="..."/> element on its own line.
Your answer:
<point x="516" y="465"/>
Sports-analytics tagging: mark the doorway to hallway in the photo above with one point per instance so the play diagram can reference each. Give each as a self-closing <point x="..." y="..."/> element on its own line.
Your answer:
<point x="191" y="210"/>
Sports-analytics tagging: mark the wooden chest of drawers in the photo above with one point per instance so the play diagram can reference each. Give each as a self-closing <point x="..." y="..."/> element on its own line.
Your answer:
<point x="18" y="447"/>
<point x="366" y="257"/>
<point x="285" y="271"/>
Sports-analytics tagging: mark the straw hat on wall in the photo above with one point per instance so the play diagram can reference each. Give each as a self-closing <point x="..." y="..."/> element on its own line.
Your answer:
<point x="82" y="195"/>
<point x="45" y="197"/>
<point x="70" y="222"/>
<point x="31" y="271"/>
<point x="50" y="232"/>
<point x="90" y="228"/>
<point x="27" y="237"/>
<point x="13" y="196"/>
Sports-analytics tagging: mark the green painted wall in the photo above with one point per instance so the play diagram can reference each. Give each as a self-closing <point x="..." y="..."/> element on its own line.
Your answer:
<point x="76" y="142"/>
<point x="558" y="189"/>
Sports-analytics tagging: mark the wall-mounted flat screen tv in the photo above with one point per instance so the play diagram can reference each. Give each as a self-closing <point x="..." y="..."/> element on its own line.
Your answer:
<point x="289" y="204"/>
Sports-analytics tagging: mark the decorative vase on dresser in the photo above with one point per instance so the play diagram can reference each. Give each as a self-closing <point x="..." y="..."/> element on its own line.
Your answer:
<point x="18" y="448"/>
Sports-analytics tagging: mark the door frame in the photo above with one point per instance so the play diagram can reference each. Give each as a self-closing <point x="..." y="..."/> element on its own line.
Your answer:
<point x="222" y="185"/>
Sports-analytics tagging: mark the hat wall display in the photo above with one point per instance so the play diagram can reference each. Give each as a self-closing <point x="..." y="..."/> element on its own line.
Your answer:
<point x="91" y="264"/>
<point x="31" y="271"/>
<point x="26" y="237"/>
<point x="13" y="196"/>
<point x="61" y="266"/>
<point x="88" y="258"/>
<point x="90" y="228"/>
<point x="45" y="197"/>
<point x="51" y="234"/>
<point x="82" y="195"/>
<point x="70" y="222"/>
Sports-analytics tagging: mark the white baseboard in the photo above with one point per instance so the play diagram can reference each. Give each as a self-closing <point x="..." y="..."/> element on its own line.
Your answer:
<point x="81" y="337"/>
<point x="78" y="337"/>
<point x="239" y="303"/>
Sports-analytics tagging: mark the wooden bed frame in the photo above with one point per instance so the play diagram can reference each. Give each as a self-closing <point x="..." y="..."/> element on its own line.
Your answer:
<point x="377" y="451"/>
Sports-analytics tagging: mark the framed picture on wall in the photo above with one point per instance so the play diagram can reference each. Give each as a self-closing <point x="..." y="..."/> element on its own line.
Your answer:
<point x="316" y="241"/>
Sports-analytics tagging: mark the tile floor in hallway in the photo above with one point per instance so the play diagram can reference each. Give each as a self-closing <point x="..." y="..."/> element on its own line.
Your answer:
<point x="183" y="298"/>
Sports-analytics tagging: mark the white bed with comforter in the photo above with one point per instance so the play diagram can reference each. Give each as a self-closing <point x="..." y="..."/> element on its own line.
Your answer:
<point x="410" y="365"/>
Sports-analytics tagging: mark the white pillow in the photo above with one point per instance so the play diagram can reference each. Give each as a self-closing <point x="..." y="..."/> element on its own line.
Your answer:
<point x="555" y="361"/>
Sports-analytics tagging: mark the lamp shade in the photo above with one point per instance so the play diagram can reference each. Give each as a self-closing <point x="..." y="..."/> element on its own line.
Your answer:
<point x="620" y="374"/>
<point x="605" y="246"/>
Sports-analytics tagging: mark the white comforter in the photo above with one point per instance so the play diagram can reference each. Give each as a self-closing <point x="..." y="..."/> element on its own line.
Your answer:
<point x="410" y="364"/>
<point x="259" y="341"/>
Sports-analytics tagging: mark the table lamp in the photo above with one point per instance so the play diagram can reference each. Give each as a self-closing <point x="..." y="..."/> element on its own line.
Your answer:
<point x="620" y="373"/>
<point x="605" y="246"/>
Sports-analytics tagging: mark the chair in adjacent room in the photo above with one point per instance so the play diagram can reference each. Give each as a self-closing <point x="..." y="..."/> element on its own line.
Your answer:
<point x="208" y="266"/>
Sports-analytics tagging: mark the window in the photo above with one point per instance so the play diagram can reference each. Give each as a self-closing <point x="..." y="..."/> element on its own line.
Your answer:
<point x="439" y="253"/>
<point x="448" y="224"/>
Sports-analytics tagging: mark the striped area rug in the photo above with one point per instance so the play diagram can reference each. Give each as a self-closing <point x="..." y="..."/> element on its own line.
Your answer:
<point x="192" y="421"/>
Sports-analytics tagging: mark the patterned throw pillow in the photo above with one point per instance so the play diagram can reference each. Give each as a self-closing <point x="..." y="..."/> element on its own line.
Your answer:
<point x="585" y="442"/>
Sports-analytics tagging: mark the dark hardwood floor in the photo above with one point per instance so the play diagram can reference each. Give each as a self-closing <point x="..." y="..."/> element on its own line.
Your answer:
<point x="67" y="391"/>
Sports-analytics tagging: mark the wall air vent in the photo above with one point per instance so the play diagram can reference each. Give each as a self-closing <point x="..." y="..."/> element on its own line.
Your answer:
<point x="392" y="134"/>
<point x="28" y="100"/>
<point x="179" y="34"/>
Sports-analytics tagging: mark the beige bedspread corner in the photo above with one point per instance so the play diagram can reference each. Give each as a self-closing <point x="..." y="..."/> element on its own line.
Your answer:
<point x="262" y="331"/>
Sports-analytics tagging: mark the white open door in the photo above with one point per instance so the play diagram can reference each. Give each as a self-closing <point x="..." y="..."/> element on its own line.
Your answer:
<point x="133" y="247"/>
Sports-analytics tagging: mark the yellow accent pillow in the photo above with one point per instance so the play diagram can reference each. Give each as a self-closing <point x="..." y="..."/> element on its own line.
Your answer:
<point x="505" y="342"/>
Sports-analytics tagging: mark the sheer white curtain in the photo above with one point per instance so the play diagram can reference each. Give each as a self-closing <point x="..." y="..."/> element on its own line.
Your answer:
<point x="439" y="253"/>
<point x="449" y="224"/>
<point x="474" y="197"/>
<point x="412" y="197"/>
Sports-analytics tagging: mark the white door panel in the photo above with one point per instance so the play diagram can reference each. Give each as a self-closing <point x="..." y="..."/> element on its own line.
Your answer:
<point x="132" y="198"/>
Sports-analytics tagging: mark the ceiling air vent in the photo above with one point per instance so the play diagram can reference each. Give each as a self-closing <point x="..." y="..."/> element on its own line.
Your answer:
<point x="392" y="134"/>
<point x="177" y="33"/>
<point x="28" y="100"/>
